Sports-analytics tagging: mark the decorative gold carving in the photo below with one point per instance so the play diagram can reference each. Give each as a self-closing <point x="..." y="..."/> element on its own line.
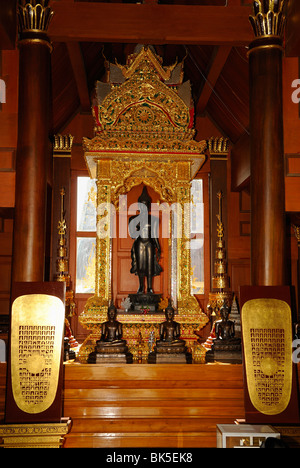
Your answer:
<point x="269" y="17"/>
<point x="34" y="15"/>
<point x="62" y="146"/>
<point x="218" y="147"/>
<point x="36" y="344"/>
<point x="135" y="62"/>
<point x="144" y="135"/>
<point x="40" y="435"/>
<point x="267" y="338"/>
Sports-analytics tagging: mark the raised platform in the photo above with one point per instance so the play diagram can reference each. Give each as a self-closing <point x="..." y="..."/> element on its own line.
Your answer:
<point x="151" y="405"/>
<point x="147" y="405"/>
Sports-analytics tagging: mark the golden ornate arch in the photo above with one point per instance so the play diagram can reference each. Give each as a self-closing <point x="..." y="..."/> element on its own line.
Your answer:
<point x="144" y="134"/>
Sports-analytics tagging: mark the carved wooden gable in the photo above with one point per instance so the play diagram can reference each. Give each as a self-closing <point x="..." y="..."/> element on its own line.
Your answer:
<point x="144" y="107"/>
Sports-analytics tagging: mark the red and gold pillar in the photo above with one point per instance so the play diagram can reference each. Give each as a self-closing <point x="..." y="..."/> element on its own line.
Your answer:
<point x="33" y="140"/>
<point x="267" y="146"/>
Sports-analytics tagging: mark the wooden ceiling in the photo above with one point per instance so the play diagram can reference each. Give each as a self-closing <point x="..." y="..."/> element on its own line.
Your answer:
<point x="212" y="35"/>
<point x="219" y="78"/>
<point x="206" y="33"/>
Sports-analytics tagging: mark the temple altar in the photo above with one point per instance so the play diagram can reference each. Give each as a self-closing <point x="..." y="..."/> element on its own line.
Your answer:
<point x="144" y="137"/>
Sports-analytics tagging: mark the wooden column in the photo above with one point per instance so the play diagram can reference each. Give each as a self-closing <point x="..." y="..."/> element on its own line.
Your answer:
<point x="33" y="141"/>
<point x="267" y="147"/>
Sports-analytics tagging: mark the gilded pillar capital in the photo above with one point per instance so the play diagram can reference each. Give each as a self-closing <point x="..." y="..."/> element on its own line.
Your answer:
<point x="218" y="147"/>
<point x="34" y="17"/>
<point x="268" y="23"/>
<point x="62" y="146"/>
<point x="269" y="18"/>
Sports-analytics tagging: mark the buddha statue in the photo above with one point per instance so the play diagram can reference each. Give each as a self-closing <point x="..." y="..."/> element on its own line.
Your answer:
<point x="169" y="347"/>
<point x="145" y="255"/>
<point x="146" y="251"/>
<point x="169" y="330"/>
<point x="111" y="331"/>
<point x="111" y="347"/>
<point x="224" y="328"/>
<point x="226" y="347"/>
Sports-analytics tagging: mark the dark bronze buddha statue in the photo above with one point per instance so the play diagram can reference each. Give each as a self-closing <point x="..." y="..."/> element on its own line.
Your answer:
<point x="145" y="252"/>
<point x="169" y="347"/>
<point x="111" y="331"/>
<point x="169" y="331"/>
<point x="111" y="347"/>
<point x="224" y="328"/>
<point x="226" y="347"/>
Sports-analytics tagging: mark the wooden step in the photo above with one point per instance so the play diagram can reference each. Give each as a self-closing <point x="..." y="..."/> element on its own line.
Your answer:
<point x="147" y="406"/>
<point x="141" y="439"/>
<point x="150" y="405"/>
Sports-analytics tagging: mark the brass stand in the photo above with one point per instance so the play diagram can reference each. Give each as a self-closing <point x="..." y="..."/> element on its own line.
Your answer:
<point x="41" y="435"/>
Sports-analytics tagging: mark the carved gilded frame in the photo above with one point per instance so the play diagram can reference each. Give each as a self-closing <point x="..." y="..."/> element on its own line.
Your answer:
<point x="144" y="135"/>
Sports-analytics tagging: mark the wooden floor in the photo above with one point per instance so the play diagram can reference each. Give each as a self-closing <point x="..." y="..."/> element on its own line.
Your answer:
<point x="144" y="405"/>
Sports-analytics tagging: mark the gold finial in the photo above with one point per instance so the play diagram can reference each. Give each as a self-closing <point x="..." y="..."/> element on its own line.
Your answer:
<point x="62" y="261"/>
<point x="62" y="226"/>
<point x="269" y="17"/>
<point x="34" y="15"/>
<point x="220" y="279"/>
<point x="220" y="227"/>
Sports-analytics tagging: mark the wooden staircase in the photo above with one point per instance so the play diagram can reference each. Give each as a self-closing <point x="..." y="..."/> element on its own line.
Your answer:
<point x="144" y="405"/>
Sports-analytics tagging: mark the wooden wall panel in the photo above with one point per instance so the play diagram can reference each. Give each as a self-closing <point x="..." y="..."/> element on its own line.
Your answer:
<point x="239" y="205"/>
<point x="2" y="391"/>
<point x="7" y="189"/>
<point x="5" y="279"/>
<point x="9" y="62"/>
<point x="5" y="264"/>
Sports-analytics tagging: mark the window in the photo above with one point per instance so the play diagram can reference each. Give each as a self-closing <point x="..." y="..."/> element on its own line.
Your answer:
<point x="86" y="235"/>
<point x="197" y="237"/>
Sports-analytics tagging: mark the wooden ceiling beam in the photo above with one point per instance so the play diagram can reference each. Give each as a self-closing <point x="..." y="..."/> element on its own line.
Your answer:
<point x="216" y="67"/>
<point x="79" y="71"/>
<point x="150" y="23"/>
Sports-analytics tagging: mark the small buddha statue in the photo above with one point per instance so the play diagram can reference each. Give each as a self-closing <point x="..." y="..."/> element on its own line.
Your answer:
<point x="224" y="328"/>
<point x="225" y="347"/>
<point x="169" y="331"/>
<point x="111" y="347"/>
<point x="169" y="345"/>
<point x="111" y="331"/>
